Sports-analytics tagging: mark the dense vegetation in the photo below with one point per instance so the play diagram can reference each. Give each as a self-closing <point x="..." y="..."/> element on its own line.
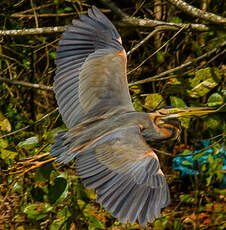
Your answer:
<point x="53" y="197"/>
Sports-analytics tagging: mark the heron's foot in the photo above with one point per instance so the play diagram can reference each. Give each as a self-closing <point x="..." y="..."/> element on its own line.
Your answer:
<point x="25" y="165"/>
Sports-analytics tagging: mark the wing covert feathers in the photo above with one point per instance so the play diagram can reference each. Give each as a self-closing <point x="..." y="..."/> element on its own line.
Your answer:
<point x="130" y="188"/>
<point x="87" y="35"/>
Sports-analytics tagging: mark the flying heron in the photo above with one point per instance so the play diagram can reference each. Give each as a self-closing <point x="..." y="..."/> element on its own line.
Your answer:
<point x="106" y="136"/>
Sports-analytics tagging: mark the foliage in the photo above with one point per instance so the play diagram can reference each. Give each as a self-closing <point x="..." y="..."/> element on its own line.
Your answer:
<point x="54" y="198"/>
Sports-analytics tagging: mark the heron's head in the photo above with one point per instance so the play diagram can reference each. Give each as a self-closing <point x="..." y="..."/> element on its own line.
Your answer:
<point x="165" y="124"/>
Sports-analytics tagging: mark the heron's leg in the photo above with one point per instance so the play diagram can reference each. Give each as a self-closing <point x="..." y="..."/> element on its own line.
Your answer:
<point x="25" y="165"/>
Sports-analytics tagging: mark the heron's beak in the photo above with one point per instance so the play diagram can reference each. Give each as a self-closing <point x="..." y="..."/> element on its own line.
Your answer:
<point x="190" y="111"/>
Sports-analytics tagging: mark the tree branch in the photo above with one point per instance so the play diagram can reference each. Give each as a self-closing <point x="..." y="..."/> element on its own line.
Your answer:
<point x="192" y="62"/>
<point x="126" y="21"/>
<point x="210" y="17"/>
<point x="27" y="84"/>
<point x="33" y="31"/>
<point x="148" y="23"/>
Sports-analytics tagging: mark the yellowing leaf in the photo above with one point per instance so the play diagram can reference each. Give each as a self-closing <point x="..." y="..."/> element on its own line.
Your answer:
<point x="3" y="143"/>
<point x="8" y="154"/>
<point x="204" y="80"/>
<point x="4" y="123"/>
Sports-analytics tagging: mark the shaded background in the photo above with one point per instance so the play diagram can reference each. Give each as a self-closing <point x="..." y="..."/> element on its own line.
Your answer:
<point x="53" y="197"/>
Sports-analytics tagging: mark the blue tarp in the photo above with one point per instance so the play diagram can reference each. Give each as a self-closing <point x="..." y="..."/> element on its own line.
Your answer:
<point x="189" y="165"/>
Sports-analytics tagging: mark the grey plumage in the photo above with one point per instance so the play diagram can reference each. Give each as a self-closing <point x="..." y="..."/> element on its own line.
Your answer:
<point x="104" y="136"/>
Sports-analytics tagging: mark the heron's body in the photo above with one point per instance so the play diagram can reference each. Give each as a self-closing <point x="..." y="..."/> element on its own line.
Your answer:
<point x="89" y="131"/>
<point x="106" y="136"/>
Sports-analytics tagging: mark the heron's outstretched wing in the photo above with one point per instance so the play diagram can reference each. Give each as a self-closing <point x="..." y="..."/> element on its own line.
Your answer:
<point x="91" y="70"/>
<point x="126" y="175"/>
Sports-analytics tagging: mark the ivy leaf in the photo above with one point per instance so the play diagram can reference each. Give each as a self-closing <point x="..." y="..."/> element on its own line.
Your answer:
<point x="215" y="99"/>
<point x="154" y="101"/>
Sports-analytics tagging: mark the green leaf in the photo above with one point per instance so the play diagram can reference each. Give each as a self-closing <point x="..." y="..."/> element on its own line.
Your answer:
<point x="135" y="89"/>
<point x="3" y="143"/>
<point x="215" y="99"/>
<point x="57" y="189"/>
<point x="186" y="163"/>
<point x="187" y="198"/>
<point x="204" y="80"/>
<point x="178" y="102"/>
<point x="37" y="211"/>
<point x="176" y="19"/>
<point x="8" y="154"/>
<point x="198" y="155"/>
<point x="212" y="122"/>
<point x="137" y="105"/>
<point x="177" y="86"/>
<point x="160" y="57"/>
<point x="49" y="136"/>
<point x="29" y="143"/>
<point x="52" y="55"/>
<point x="94" y="223"/>
<point x="62" y="216"/>
<point x="154" y="101"/>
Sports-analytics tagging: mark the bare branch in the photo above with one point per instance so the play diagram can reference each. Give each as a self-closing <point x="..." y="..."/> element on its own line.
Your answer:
<point x="210" y="17"/>
<point x="192" y="62"/>
<point x="127" y="20"/>
<point x="22" y="15"/>
<point x="35" y="14"/>
<point x="27" y="84"/>
<point x="143" y="41"/>
<point x="33" y="31"/>
<point x="137" y="22"/>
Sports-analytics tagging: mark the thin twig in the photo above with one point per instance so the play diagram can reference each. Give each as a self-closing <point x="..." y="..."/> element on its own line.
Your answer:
<point x="156" y="51"/>
<point x="35" y="13"/>
<point x="22" y="15"/>
<point x="143" y="41"/>
<point x="8" y="192"/>
<point x="28" y="126"/>
<point x="191" y="154"/>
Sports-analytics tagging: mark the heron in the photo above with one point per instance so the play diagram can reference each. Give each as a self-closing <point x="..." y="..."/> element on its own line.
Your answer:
<point x="109" y="140"/>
